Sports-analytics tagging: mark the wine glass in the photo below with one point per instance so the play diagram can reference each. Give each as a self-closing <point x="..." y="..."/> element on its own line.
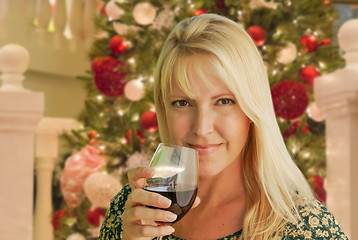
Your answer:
<point x="175" y="177"/>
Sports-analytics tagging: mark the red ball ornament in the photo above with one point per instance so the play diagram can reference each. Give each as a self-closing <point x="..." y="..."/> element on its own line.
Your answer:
<point x="118" y="45"/>
<point x="92" y="135"/>
<point x="310" y="42"/>
<point x="149" y="121"/>
<point x="94" y="216"/>
<point x="129" y="136"/>
<point x="293" y="129"/>
<point x="258" y="34"/>
<point x="103" y="11"/>
<point x="220" y="5"/>
<point x="199" y="12"/>
<point x="309" y="73"/>
<point x="57" y="219"/>
<point x="325" y="42"/>
<point x="290" y="99"/>
<point x="109" y="76"/>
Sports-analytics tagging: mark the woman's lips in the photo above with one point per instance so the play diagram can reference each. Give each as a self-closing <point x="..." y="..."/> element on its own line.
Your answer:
<point x="205" y="149"/>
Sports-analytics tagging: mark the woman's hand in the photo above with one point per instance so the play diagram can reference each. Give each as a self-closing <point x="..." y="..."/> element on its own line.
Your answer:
<point x="137" y="219"/>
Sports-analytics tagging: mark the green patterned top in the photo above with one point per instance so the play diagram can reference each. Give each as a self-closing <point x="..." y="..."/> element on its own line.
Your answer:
<point x="317" y="223"/>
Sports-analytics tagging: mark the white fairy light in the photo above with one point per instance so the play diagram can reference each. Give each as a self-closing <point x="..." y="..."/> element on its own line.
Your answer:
<point x="239" y="13"/>
<point x="123" y="141"/>
<point x="131" y="60"/>
<point x="99" y="97"/>
<point x="322" y="64"/>
<point x="306" y="155"/>
<point x="315" y="33"/>
<point x="264" y="47"/>
<point x="289" y="3"/>
<point x="151" y="79"/>
<point x="293" y="150"/>
<point x="274" y="72"/>
<point x="135" y="117"/>
<point x="120" y="113"/>
<point x="101" y="114"/>
<point x="102" y="147"/>
<point x="295" y="21"/>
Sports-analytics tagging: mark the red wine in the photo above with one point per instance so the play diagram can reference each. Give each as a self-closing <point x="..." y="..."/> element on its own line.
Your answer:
<point x="182" y="199"/>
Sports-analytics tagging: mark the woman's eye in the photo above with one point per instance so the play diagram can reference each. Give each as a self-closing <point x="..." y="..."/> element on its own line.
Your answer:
<point x="180" y="103"/>
<point x="225" y="101"/>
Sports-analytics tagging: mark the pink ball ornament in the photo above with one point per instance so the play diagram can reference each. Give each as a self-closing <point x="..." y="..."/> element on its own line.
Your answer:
<point x="76" y="236"/>
<point x="100" y="188"/>
<point x="77" y="168"/>
<point x="134" y="90"/>
<point x="113" y="11"/>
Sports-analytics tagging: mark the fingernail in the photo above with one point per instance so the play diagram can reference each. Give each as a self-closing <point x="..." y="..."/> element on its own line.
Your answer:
<point x="170" y="216"/>
<point x="168" y="230"/>
<point x="165" y="202"/>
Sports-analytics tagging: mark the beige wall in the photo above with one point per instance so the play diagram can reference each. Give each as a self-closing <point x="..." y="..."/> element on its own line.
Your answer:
<point x="64" y="96"/>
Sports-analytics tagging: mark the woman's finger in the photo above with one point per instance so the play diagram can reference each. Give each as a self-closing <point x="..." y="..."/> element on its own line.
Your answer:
<point x="142" y="231"/>
<point x="142" y="197"/>
<point x="138" y="175"/>
<point x="144" y="213"/>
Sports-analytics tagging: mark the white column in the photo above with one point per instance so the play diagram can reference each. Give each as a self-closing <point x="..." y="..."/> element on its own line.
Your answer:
<point x="336" y="95"/>
<point x="46" y="154"/>
<point x="20" y="112"/>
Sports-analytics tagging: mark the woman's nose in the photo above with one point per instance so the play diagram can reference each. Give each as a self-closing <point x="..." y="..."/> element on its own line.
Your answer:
<point x="203" y="123"/>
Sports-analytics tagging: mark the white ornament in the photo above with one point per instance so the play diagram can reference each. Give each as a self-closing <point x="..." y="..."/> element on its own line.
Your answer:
<point x="76" y="236"/>
<point x="113" y="11"/>
<point x="120" y="28"/>
<point x="262" y="3"/>
<point x="134" y="90"/>
<point x="165" y="19"/>
<point x="314" y="113"/>
<point x="137" y="160"/>
<point x="144" y="13"/>
<point x="100" y="188"/>
<point x="287" y="54"/>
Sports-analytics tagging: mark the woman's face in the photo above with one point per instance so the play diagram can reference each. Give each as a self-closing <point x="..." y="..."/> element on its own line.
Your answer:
<point x="212" y="121"/>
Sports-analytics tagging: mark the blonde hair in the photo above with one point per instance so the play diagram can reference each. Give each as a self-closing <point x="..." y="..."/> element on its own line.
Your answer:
<point x="273" y="183"/>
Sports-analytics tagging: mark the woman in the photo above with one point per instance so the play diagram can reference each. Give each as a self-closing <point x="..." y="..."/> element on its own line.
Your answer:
<point x="212" y="94"/>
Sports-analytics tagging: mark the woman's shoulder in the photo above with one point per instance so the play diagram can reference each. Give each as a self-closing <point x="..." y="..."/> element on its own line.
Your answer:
<point x="316" y="223"/>
<point x="112" y="224"/>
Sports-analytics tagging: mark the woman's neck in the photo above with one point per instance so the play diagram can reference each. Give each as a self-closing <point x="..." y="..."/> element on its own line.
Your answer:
<point x="223" y="187"/>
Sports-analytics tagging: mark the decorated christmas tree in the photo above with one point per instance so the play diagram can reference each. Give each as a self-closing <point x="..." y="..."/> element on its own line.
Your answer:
<point x="119" y="129"/>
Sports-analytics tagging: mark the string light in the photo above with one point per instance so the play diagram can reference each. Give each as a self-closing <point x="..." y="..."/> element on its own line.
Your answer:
<point x="322" y="65"/>
<point x="135" y="117"/>
<point x="293" y="150"/>
<point x="102" y="147"/>
<point x="120" y="113"/>
<point x="99" y="98"/>
<point x="295" y="21"/>
<point x="151" y="79"/>
<point x="131" y="60"/>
